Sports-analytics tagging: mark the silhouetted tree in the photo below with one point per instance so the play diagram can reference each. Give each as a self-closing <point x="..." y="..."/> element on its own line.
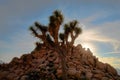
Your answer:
<point x="51" y="39"/>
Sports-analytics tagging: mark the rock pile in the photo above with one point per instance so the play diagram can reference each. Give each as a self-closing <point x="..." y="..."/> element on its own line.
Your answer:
<point x="44" y="64"/>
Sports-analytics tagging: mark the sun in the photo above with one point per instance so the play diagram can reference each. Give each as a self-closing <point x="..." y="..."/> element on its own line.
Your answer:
<point x="90" y="46"/>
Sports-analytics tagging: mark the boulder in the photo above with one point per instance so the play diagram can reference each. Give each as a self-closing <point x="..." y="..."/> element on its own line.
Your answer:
<point x="72" y="71"/>
<point x="100" y="65"/>
<point x="59" y="73"/>
<point x="110" y="69"/>
<point x="78" y="74"/>
<point x="89" y="75"/>
<point x="105" y="78"/>
<point x="98" y="76"/>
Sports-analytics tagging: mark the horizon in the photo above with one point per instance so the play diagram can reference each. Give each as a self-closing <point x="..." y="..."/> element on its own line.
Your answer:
<point x="100" y="22"/>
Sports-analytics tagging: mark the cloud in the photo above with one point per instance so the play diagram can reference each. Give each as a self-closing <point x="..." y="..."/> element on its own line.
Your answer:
<point x="118" y="70"/>
<point x="111" y="30"/>
<point x="106" y="32"/>
<point x="114" y="52"/>
<point x="92" y="18"/>
<point x="111" y="60"/>
<point x="95" y="36"/>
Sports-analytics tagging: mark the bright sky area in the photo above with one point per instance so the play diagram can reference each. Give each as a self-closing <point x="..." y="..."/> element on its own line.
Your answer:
<point x="100" y="20"/>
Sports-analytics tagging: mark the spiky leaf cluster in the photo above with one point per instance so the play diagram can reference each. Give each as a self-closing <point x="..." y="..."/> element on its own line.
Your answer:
<point x="71" y="30"/>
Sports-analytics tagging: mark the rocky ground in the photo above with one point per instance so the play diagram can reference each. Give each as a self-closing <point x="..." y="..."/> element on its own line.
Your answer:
<point x="44" y="64"/>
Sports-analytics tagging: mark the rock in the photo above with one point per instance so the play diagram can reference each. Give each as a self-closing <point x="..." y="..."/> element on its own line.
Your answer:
<point x="79" y="46"/>
<point x="3" y="74"/>
<point x="72" y="71"/>
<point x="89" y="75"/>
<point x="11" y="76"/>
<point x="108" y="75"/>
<point x="98" y="72"/>
<point x="80" y="64"/>
<point x="56" y="61"/>
<point x="25" y="77"/>
<point x="110" y="69"/>
<point x="105" y="78"/>
<point x="15" y="60"/>
<point x="59" y="73"/>
<point x="83" y="77"/>
<point x="100" y="66"/>
<point x="71" y="64"/>
<point x="78" y="74"/>
<point x="94" y="79"/>
<point x="98" y="76"/>
<point x="118" y="78"/>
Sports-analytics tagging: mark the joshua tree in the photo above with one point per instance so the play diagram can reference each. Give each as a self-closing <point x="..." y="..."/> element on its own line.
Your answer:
<point x="55" y="21"/>
<point x="75" y="30"/>
<point x="49" y="35"/>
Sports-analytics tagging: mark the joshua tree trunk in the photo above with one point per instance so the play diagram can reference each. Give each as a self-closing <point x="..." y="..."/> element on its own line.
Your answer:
<point x="62" y="56"/>
<point x="64" y="68"/>
<point x="56" y="30"/>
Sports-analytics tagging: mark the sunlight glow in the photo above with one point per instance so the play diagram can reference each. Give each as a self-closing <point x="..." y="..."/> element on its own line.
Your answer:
<point x="90" y="46"/>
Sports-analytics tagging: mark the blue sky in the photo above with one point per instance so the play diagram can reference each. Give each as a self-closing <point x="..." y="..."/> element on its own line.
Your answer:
<point x="100" y="20"/>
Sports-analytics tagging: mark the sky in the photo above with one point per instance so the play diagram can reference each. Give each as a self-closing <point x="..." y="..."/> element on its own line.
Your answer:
<point x="99" y="19"/>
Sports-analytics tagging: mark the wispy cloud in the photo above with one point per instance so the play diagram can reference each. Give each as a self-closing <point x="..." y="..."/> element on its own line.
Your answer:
<point x="111" y="60"/>
<point x="111" y="31"/>
<point x="106" y="32"/>
<point x="95" y="36"/>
